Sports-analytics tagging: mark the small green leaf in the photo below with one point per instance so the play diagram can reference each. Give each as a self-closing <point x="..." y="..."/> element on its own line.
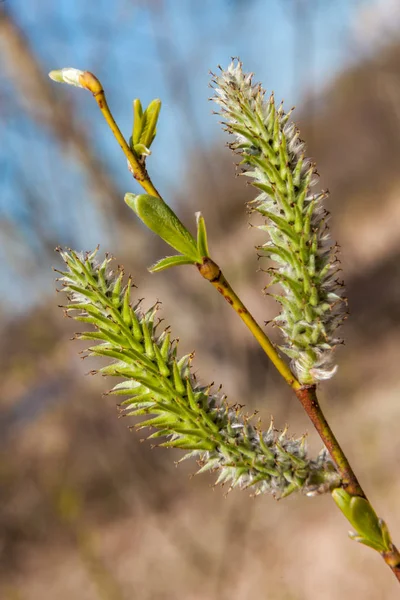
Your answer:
<point x="137" y="121"/>
<point x="342" y="499"/>
<point x="202" y="243"/>
<point x="362" y="517"/>
<point x="366" y="522"/>
<point x="141" y="150"/>
<point x="171" y="261"/>
<point x="158" y="217"/>
<point x="387" y="540"/>
<point x="365" y="542"/>
<point x="150" y="118"/>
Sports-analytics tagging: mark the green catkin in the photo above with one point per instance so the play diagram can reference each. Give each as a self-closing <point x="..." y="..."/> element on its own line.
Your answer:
<point x="312" y="304"/>
<point x="161" y="387"/>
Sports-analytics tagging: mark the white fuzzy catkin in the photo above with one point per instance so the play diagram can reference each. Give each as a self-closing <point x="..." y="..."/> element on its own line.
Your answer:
<point x="312" y="302"/>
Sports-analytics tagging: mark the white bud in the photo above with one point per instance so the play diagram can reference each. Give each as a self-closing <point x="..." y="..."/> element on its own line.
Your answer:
<point x="67" y="75"/>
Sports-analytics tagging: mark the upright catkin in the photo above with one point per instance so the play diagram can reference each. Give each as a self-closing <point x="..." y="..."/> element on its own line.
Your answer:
<point x="273" y="156"/>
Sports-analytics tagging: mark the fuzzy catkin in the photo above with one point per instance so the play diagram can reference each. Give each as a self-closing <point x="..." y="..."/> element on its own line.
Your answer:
<point x="273" y="156"/>
<point x="177" y="408"/>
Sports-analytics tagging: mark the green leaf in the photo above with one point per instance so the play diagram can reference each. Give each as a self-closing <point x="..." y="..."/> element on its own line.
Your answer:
<point x="342" y="499"/>
<point x="137" y="121"/>
<point x="387" y="540"/>
<point x="158" y="217"/>
<point x="150" y="118"/>
<point x="365" y="542"/>
<point x="141" y="150"/>
<point x="366" y="522"/>
<point x="202" y="243"/>
<point x="170" y="261"/>
<point x="362" y="517"/>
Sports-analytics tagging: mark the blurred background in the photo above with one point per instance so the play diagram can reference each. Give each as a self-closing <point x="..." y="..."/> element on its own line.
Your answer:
<point x="86" y="510"/>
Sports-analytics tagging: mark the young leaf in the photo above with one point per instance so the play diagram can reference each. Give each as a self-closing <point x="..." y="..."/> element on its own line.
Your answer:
<point x="150" y="118"/>
<point x="202" y="243"/>
<point x="170" y="261"/>
<point x="140" y="150"/>
<point x="361" y="515"/>
<point x="137" y="121"/>
<point x="158" y="217"/>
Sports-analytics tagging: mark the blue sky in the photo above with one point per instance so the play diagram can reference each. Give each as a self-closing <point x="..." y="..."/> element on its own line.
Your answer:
<point x="127" y="45"/>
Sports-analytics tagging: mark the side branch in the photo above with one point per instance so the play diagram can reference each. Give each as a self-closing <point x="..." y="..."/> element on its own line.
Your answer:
<point x="136" y="166"/>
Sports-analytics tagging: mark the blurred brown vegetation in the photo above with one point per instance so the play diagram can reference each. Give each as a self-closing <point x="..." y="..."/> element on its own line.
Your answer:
<point x="87" y="511"/>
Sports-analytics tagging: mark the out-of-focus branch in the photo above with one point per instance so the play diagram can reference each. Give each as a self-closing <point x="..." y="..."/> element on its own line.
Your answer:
<point x="43" y="105"/>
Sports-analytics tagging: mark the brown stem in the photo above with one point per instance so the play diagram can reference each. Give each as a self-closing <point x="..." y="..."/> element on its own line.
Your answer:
<point x="309" y="401"/>
<point x="305" y="393"/>
<point x="392" y="559"/>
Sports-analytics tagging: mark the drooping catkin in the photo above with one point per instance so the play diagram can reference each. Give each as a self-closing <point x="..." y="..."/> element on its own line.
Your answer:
<point x="178" y="410"/>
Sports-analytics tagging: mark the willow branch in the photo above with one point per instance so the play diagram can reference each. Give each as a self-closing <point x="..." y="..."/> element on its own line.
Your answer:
<point x="265" y="130"/>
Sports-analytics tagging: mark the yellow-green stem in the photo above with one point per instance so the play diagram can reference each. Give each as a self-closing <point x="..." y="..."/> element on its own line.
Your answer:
<point x="91" y="83"/>
<point x="211" y="271"/>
